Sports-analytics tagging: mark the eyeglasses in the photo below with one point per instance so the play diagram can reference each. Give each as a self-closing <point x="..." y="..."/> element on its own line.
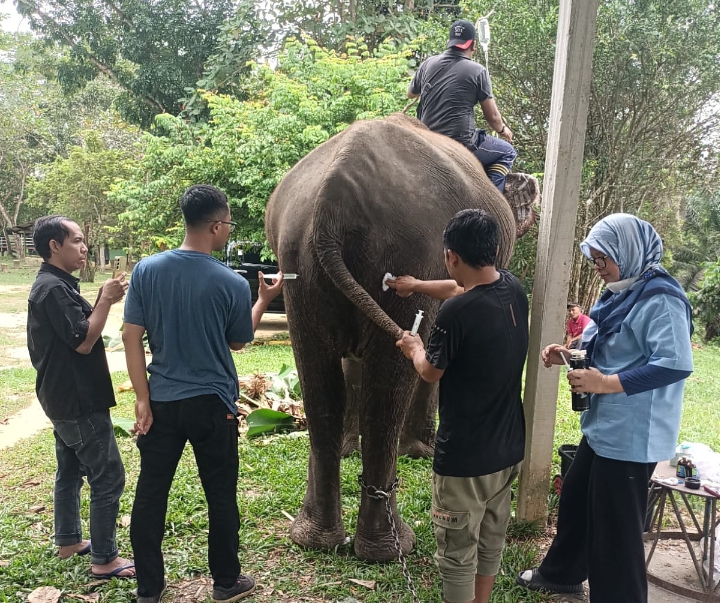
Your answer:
<point x="599" y="262"/>
<point x="231" y="224"/>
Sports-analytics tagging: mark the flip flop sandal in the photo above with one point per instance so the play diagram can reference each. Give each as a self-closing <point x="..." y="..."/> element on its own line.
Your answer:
<point x="115" y="573"/>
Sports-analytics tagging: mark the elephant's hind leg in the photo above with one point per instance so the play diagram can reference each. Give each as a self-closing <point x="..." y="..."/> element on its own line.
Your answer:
<point x="388" y="385"/>
<point x="319" y="523"/>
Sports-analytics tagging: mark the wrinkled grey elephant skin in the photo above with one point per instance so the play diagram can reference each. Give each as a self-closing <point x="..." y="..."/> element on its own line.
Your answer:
<point x="372" y="199"/>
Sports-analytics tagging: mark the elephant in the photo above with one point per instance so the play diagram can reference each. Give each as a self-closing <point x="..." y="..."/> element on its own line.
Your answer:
<point x="372" y="199"/>
<point x="417" y="437"/>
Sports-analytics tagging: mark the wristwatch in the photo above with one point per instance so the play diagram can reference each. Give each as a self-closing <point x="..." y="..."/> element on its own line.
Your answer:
<point x="503" y="129"/>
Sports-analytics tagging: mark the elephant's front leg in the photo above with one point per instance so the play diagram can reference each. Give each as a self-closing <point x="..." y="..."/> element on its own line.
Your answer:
<point x="319" y="523"/>
<point x="417" y="439"/>
<point x="387" y="388"/>
<point x="352" y="368"/>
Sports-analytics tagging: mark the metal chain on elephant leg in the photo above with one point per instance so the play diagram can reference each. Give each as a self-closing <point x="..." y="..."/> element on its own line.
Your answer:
<point x="385" y="495"/>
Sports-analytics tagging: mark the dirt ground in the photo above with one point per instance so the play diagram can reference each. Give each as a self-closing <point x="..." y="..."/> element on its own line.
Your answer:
<point x="672" y="562"/>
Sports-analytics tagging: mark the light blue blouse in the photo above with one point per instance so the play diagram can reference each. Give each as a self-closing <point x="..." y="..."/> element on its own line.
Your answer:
<point x="643" y="427"/>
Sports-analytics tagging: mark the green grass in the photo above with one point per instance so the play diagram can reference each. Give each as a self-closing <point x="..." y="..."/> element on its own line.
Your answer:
<point x="263" y="357"/>
<point x="272" y="480"/>
<point x="22" y="276"/>
<point x="17" y="390"/>
<point x="17" y="282"/>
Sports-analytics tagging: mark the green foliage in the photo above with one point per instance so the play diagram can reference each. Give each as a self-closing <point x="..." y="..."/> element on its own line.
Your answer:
<point x="652" y="118"/>
<point x="38" y="125"/>
<point x="31" y="115"/>
<point x="248" y="146"/>
<point x="706" y="301"/>
<point x="76" y="186"/>
<point x="699" y="242"/>
<point x="266" y="420"/>
<point x="153" y="50"/>
<point x="123" y="427"/>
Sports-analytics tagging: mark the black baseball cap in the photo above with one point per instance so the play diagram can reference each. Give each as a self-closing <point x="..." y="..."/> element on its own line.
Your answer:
<point x="462" y="34"/>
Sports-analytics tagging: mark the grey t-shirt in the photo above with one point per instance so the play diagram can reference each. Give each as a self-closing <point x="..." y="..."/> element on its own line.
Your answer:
<point x="450" y="85"/>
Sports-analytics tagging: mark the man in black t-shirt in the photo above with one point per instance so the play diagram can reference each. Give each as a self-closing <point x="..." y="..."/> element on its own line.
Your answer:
<point x="450" y="85"/>
<point x="64" y="335"/>
<point x="476" y="349"/>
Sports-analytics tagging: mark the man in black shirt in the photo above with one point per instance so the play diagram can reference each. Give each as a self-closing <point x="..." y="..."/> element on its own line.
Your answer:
<point x="450" y="85"/>
<point x="476" y="349"/>
<point x="75" y="390"/>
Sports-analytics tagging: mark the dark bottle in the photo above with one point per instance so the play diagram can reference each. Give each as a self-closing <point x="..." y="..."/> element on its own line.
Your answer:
<point x="578" y="360"/>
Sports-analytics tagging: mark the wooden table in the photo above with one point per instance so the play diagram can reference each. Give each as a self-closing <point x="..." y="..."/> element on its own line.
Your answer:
<point x="664" y="493"/>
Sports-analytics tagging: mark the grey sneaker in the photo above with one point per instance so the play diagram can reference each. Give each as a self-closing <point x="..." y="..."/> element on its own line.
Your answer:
<point x="244" y="587"/>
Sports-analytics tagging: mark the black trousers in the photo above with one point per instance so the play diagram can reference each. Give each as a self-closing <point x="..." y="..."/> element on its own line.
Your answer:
<point x="601" y="521"/>
<point x="211" y="429"/>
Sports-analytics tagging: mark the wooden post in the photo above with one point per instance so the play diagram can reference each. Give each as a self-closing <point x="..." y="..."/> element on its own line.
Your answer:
<point x="575" y="43"/>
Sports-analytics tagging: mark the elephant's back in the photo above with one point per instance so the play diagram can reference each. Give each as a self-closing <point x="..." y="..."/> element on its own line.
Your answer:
<point x="382" y="185"/>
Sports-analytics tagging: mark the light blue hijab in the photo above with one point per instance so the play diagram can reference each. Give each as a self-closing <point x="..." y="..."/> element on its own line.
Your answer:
<point x="633" y="244"/>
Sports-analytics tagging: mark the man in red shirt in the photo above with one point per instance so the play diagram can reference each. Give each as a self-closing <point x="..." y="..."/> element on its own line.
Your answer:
<point x="575" y="326"/>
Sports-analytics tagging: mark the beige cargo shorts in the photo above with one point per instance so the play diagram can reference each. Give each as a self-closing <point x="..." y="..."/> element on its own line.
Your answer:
<point x="470" y="517"/>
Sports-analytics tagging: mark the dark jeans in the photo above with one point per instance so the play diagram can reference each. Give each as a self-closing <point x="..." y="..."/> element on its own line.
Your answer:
<point x="86" y="446"/>
<point x="207" y="423"/>
<point x="601" y="521"/>
<point x="496" y="156"/>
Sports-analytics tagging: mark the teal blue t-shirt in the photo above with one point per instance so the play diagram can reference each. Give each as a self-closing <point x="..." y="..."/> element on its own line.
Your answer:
<point x="191" y="306"/>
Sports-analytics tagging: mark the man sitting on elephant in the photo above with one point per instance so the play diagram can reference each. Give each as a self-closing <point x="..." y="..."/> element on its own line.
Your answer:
<point x="450" y="85"/>
<point x="476" y="349"/>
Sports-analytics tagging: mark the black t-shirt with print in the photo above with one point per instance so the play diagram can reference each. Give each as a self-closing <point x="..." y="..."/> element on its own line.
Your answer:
<point x="480" y="340"/>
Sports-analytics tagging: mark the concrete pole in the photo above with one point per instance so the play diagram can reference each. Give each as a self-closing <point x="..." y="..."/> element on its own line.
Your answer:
<point x="575" y="43"/>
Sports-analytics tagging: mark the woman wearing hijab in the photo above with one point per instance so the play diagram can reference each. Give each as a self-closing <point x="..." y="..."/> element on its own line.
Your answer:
<point x="640" y="355"/>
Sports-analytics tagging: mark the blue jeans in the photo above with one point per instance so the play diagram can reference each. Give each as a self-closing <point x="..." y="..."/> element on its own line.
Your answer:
<point x="86" y="446"/>
<point x="496" y="156"/>
<point x="211" y="429"/>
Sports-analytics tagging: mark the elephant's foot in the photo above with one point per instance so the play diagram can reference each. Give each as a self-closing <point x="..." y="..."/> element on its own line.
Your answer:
<point x="349" y="446"/>
<point x="381" y="546"/>
<point x="313" y="535"/>
<point x="416" y="449"/>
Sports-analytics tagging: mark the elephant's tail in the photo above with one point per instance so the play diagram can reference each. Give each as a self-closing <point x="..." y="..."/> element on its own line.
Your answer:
<point x="329" y="252"/>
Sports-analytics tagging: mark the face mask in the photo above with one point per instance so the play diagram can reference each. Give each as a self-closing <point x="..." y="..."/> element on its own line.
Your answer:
<point x="622" y="285"/>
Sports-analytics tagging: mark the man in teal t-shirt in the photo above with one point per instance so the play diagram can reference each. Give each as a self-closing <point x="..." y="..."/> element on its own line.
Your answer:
<point x="194" y="310"/>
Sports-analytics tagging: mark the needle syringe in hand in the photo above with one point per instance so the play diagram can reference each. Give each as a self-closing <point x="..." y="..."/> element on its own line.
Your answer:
<point x="416" y="324"/>
<point x="286" y="277"/>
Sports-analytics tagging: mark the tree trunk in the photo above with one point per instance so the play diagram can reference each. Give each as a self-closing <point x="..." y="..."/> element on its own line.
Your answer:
<point x="87" y="272"/>
<point x="18" y="245"/>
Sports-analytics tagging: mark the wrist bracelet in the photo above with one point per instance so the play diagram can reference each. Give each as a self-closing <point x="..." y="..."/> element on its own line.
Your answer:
<point x="503" y="129"/>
